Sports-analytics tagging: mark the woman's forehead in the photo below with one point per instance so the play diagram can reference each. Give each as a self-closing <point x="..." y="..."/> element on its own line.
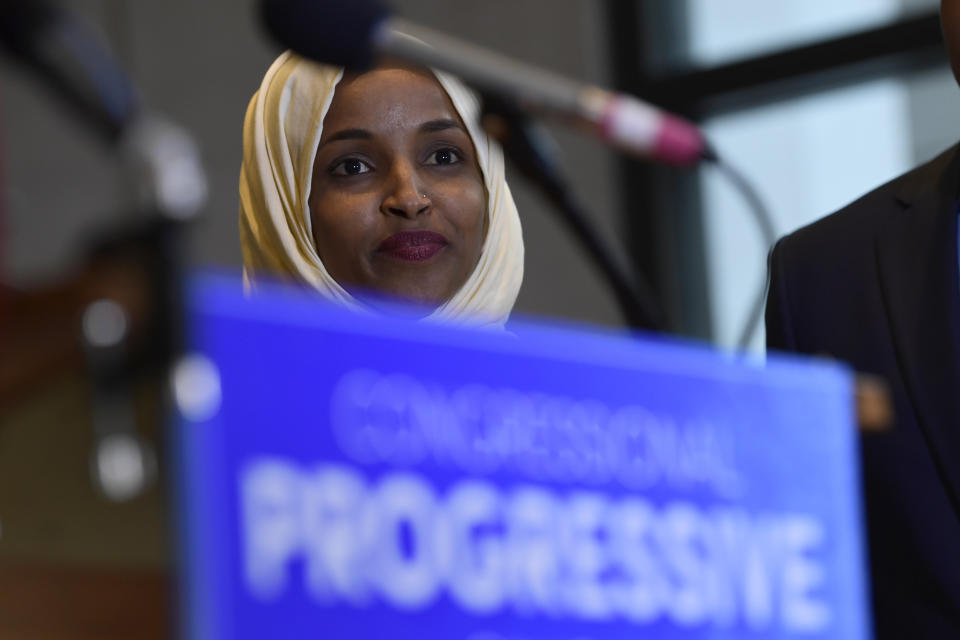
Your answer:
<point x="389" y="97"/>
<point x="414" y="70"/>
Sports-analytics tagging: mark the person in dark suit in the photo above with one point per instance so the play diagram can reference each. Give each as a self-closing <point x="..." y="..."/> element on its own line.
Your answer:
<point x="877" y="285"/>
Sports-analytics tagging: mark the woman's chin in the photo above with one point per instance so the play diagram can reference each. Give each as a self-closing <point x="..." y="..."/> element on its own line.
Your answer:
<point x="407" y="304"/>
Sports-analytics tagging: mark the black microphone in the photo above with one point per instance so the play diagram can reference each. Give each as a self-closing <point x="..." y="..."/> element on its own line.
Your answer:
<point x="355" y="33"/>
<point x="71" y="59"/>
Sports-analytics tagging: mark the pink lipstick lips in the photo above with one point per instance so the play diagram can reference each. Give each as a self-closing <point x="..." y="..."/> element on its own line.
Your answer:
<point x="413" y="246"/>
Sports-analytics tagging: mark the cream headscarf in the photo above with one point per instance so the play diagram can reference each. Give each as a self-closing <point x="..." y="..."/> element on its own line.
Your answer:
<point x="280" y="137"/>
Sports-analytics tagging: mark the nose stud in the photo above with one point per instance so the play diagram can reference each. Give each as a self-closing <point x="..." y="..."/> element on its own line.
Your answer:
<point x="423" y="195"/>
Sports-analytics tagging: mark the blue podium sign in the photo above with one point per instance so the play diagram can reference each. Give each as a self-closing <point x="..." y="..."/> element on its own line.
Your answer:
<point x="345" y="476"/>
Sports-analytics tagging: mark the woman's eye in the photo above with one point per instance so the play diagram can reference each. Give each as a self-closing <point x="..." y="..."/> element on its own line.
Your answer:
<point x="350" y="167"/>
<point x="444" y="156"/>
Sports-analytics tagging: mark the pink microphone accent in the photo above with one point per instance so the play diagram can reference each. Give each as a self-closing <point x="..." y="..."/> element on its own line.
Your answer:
<point x="641" y="129"/>
<point x="678" y="142"/>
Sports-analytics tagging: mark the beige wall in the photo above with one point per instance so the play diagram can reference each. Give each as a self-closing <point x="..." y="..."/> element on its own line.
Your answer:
<point x="199" y="62"/>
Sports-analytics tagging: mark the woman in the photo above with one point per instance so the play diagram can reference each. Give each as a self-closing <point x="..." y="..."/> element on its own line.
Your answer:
<point x="380" y="182"/>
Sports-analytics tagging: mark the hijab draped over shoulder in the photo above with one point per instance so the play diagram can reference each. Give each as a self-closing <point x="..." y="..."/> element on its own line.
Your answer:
<point x="281" y="132"/>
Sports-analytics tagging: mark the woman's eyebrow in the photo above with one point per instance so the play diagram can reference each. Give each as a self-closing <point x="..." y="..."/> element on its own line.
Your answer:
<point x="441" y="124"/>
<point x="348" y="134"/>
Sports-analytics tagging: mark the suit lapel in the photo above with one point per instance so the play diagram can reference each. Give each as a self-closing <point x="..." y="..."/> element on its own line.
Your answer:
<point x="918" y="268"/>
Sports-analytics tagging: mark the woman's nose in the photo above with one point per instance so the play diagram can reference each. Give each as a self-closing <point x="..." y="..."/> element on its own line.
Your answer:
<point x="405" y="196"/>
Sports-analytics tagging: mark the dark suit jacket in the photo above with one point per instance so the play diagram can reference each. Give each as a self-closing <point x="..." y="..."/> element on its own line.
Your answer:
<point x="876" y="284"/>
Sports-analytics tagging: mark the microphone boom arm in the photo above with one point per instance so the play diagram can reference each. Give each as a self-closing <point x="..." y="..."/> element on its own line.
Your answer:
<point x="530" y="150"/>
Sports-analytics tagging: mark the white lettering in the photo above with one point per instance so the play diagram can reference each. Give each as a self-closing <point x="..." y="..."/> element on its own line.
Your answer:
<point x="270" y="492"/>
<point x="802" y="574"/>
<point x="331" y="526"/>
<point x="402" y="421"/>
<point x="474" y="548"/>
<point x="582" y="555"/>
<point x="402" y="512"/>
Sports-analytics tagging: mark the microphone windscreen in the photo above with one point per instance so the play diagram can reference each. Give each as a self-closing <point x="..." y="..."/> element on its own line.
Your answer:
<point x="20" y="21"/>
<point x="338" y="32"/>
<point x="71" y="59"/>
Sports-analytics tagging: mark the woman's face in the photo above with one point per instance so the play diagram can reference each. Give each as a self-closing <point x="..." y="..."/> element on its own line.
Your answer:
<point x="397" y="202"/>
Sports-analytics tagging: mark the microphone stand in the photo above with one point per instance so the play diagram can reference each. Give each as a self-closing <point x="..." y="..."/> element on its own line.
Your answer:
<point x="128" y="295"/>
<point x="531" y="150"/>
<point x="172" y="189"/>
<point x="127" y="301"/>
